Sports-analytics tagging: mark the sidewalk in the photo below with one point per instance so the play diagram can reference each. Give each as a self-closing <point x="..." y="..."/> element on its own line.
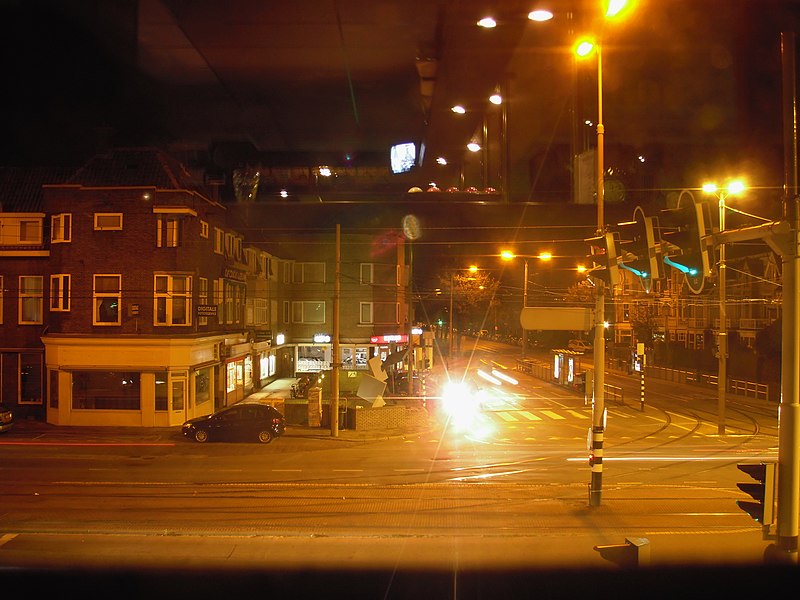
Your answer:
<point x="279" y="391"/>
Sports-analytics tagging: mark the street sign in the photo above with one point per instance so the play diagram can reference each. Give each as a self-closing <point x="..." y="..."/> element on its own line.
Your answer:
<point x="557" y="318"/>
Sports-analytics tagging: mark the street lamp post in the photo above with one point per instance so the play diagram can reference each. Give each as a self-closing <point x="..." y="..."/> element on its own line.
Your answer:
<point x="508" y="255"/>
<point x="584" y="48"/>
<point x="734" y="187"/>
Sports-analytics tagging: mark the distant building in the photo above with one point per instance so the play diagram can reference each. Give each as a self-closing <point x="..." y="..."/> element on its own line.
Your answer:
<point x="128" y="300"/>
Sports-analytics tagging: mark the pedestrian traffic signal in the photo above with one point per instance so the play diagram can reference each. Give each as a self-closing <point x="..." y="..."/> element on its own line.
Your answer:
<point x="639" y="249"/>
<point x="762" y="507"/>
<point x="685" y="231"/>
<point x="604" y="257"/>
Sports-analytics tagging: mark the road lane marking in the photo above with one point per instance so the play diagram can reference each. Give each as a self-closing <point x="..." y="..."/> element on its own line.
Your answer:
<point x="553" y="415"/>
<point x="530" y="416"/>
<point x="578" y="414"/>
<point x="7" y="538"/>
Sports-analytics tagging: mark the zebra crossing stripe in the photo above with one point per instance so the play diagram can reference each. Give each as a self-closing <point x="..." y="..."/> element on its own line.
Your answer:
<point x="530" y="416"/>
<point x="578" y="414"/>
<point x="553" y="415"/>
<point x="506" y="417"/>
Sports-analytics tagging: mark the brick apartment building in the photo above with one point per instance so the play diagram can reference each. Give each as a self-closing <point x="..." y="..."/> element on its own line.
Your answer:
<point x="127" y="300"/>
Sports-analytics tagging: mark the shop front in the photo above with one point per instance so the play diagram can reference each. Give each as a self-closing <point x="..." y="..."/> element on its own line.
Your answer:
<point x="238" y="366"/>
<point x="128" y="382"/>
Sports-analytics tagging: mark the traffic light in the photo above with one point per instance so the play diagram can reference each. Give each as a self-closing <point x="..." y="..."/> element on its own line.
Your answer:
<point x="762" y="507"/>
<point x="685" y="231"/>
<point x="639" y="250"/>
<point x="604" y="257"/>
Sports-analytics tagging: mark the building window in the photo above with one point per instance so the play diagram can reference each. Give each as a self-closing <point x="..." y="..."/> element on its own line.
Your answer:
<point x="202" y="298"/>
<point x="203" y="229"/>
<point x="59" y="293"/>
<point x="308" y="272"/>
<point x="162" y="390"/>
<point x="173" y="300"/>
<point x="219" y="240"/>
<point x="30" y="232"/>
<point x="1" y="299"/>
<point x="108" y="221"/>
<point x="53" y="388"/>
<point x="260" y="311"/>
<point x="61" y="228"/>
<point x="287" y="311"/>
<point x="106" y="390"/>
<point x="366" y="273"/>
<point x="365" y="312"/>
<point x="308" y="312"/>
<point x="30" y="378"/>
<point x="234" y="302"/>
<point x="218" y="300"/>
<point x="168" y="232"/>
<point x="107" y="293"/>
<point x="31" y="299"/>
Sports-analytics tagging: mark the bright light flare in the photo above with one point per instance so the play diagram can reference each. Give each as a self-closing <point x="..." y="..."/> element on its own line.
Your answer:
<point x="615" y="7"/>
<point x="540" y="15"/>
<point x="584" y="48"/>
<point x="461" y="405"/>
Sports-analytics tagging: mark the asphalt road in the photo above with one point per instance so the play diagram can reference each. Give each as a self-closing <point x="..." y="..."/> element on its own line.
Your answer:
<point x="510" y="493"/>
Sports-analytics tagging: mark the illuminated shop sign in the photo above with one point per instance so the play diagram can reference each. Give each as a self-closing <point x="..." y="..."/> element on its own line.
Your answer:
<point x="388" y="339"/>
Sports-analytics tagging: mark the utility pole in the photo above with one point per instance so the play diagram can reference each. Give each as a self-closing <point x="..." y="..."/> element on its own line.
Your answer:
<point x="410" y="296"/>
<point x="598" y="403"/>
<point x="789" y="413"/>
<point x="335" y="351"/>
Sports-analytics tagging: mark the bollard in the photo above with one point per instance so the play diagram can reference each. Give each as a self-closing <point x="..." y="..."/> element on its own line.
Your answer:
<point x="635" y="552"/>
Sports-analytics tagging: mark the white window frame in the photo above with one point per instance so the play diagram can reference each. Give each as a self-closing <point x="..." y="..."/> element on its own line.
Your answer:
<point x="287" y="311"/>
<point x="362" y="307"/>
<point x="300" y="308"/>
<point x="169" y="296"/>
<point x="30" y="296"/>
<point x="203" y="229"/>
<point x="168" y="231"/>
<point x="219" y="241"/>
<point x="100" y="226"/>
<point x="366" y="274"/>
<point x="302" y="272"/>
<point x="60" y="291"/>
<point x="98" y="297"/>
<point x="202" y="297"/>
<point x="61" y="228"/>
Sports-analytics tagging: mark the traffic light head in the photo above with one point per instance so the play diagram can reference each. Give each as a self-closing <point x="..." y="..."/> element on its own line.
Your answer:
<point x="604" y="257"/>
<point x="762" y="507"/>
<point x="685" y="231"/>
<point x="639" y="251"/>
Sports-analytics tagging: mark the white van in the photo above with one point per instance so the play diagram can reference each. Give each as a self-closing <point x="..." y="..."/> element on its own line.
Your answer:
<point x="579" y="345"/>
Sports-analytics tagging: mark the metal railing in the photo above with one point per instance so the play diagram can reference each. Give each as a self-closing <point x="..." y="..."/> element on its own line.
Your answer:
<point x="749" y="389"/>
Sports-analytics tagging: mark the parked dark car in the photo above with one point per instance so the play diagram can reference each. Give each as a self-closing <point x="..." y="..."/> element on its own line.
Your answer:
<point x="6" y="418"/>
<point x="246" y="421"/>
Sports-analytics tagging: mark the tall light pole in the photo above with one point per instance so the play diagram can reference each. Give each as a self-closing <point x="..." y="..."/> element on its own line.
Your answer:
<point x="471" y="269"/>
<point x="584" y="48"/>
<point x="735" y="187"/>
<point x="508" y="255"/>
